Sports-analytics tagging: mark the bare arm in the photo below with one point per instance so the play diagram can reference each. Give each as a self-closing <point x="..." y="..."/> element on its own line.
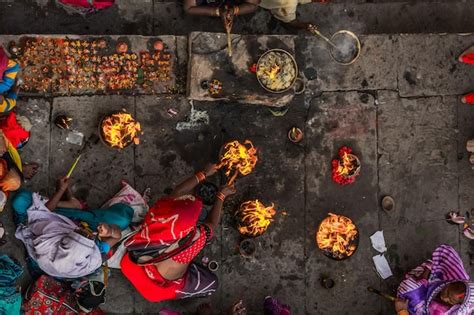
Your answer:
<point x="299" y="25"/>
<point x="190" y="183"/>
<point x="248" y="6"/>
<point x="214" y="217"/>
<point x="62" y="186"/>
<point x="190" y="7"/>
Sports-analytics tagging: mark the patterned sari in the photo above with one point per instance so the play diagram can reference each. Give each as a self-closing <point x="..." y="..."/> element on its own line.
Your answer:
<point x="446" y="267"/>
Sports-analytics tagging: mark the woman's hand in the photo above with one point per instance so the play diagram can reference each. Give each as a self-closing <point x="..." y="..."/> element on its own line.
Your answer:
<point x="104" y="230"/>
<point x="108" y="230"/>
<point x="210" y="169"/>
<point x="62" y="184"/>
<point x="401" y="305"/>
<point x="227" y="190"/>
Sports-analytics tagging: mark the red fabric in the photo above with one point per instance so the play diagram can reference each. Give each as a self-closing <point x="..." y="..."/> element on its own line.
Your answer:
<point x="98" y="4"/>
<point x="187" y="255"/>
<point x="3" y="62"/>
<point x="167" y="221"/>
<point x="49" y="296"/>
<point x="149" y="282"/>
<point x="468" y="58"/>
<point x="469" y="98"/>
<point x="14" y="132"/>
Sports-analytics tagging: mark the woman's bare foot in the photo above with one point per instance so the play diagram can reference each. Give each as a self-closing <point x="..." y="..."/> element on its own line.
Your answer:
<point x="204" y="309"/>
<point x="30" y="170"/>
<point x="470" y="50"/>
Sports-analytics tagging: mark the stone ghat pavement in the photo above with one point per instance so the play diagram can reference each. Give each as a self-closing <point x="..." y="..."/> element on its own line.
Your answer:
<point x="397" y="107"/>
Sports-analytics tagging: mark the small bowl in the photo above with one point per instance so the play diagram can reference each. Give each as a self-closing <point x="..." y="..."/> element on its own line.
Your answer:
<point x="213" y="265"/>
<point x="247" y="247"/>
<point x="327" y="283"/>
<point x="295" y="135"/>
<point x="388" y="203"/>
<point x="351" y="55"/>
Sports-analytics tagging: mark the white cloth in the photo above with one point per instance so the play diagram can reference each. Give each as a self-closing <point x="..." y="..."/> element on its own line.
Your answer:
<point x="283" y="10"/>
<point x="51" y="240"/>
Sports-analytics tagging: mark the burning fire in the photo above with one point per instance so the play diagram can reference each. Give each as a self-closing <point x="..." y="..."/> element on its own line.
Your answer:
<point x="254" y="218"/>
<point x="346" y="167"/>
<point x="120" y="129"/>
<point x="273" y="72"/>
<point x="337" y="236"/>
<point x="238" y="158"/>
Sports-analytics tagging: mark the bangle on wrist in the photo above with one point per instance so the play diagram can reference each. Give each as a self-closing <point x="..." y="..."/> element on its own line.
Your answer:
<point x="218" y="13"/>
<point x="200" y="177"/>
<point x="236" y="10"/>
<point x="220" y="196"/>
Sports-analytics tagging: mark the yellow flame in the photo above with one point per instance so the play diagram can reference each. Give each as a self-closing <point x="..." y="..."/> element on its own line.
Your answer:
<point x="336" y="234"/>
<point x="254" y="218"/>
<point x="238" y="159"/>
<point x="120" y="129"/>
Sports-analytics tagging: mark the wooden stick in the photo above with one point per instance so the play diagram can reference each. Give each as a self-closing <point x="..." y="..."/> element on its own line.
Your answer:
<point x="229" y="43"/>
<point x="384" y="295"/>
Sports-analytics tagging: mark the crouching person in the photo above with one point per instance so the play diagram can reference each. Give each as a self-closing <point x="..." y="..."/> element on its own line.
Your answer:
<point x="159" y="262"/>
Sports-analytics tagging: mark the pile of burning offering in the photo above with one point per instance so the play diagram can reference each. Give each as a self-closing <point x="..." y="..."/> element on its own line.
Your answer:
<point x="238" y="158"/>
<point x="253" y="218"/>
<point x="276" y="70"/>
<point x="119" y="130"/>
<point x="63" y="65"/>
<point x="337" y="237"/>
<point x="346" y="167"/>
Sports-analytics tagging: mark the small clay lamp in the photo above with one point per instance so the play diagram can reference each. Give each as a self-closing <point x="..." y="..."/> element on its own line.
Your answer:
<point x="102" y="43"/>
<point x="158" y="45"/>
<point x="247" y="247"/>
<point x="327" y="282"/>
<point x="388" y="203"/>
<point x="295" y="135"/>
<point x="121" y="47"/>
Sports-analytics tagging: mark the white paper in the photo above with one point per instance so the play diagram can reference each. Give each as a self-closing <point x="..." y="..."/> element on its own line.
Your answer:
<point x="378" y="242"/>
<point x="381" y="264"/>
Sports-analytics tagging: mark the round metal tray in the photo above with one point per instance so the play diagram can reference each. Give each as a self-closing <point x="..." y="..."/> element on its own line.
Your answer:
<point x="328" y="253"/>
<point x="101" y="135"/>
<point x="294" y="63"/>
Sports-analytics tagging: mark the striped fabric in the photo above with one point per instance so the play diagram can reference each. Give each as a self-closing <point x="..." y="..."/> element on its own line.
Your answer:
<point x="9" y="76"/>
<point x="446" y="267"/>
<point x="7" y="102"/>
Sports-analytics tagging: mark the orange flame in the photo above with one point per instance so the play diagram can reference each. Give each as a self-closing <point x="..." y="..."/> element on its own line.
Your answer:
<point x="336" y="234"/>
<point x="254" y="218"/>
<point x="347" y="164"/>
<point x="120" y="129"/>
<point x="238" y="158"/>
<point x="273" y="72"/>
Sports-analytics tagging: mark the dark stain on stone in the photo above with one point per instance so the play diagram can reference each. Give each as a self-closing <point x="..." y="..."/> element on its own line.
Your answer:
<point x="409" y="78"/>
<point x="139" y="170"/>
<point x="166" y="160"/>
<point x="452" y="68"/>
<point x="364" y="98"/>
<point x="290" y="278"/>
<point x="364" y="83"/>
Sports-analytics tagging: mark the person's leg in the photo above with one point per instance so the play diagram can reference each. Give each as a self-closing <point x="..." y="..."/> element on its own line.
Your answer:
<point x="200" y="282"/>
<point x="21" y="201"/>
